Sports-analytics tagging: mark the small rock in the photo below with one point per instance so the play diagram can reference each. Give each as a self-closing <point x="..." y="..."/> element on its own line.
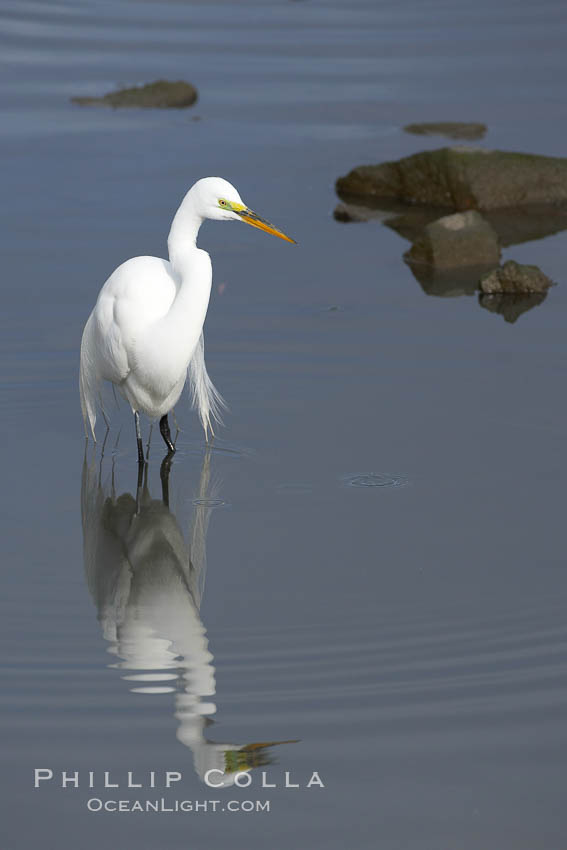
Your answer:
<point x="162" y="94"/>
<point x="513" y="278"/>
<point x="462" y="178"/>
<point x="452" y="129"/>
<point x="461" y="239"/>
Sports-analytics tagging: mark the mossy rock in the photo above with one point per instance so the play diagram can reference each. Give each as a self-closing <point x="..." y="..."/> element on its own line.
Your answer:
<point x="462" y="178"/>
<point x="162" y="94"/>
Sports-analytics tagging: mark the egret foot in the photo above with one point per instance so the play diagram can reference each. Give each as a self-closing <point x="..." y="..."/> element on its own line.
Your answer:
<point x="166" y="434"/>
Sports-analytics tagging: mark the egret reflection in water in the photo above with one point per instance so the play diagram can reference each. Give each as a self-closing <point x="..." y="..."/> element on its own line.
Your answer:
<point x="147" y="583"/>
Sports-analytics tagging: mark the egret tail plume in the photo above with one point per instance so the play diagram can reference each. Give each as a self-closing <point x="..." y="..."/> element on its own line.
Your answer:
<point x="205" y="398"/>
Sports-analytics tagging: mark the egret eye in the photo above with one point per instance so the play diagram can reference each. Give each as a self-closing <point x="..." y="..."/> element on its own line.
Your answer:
<point x="222" y="203"/>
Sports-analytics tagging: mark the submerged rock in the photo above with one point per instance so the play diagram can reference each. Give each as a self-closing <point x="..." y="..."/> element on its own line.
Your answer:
<point x="513" y="278"/>
<point x="452" y="129"/>
<point x="162" y="94"/>
<point x="462" y="178"/>
<point x="461" y="239"/>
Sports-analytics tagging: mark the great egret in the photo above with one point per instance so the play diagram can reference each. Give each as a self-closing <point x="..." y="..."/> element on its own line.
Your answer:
<point x="145" y="333"/>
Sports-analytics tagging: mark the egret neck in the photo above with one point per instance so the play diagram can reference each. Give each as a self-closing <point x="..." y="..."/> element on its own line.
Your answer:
<point x="193" y="277"/>
<point x="184" y="229"/>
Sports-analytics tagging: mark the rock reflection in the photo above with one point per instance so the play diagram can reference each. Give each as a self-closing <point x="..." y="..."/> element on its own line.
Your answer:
<point x="511" y="307"/>
<point x="513" y="226"/>
<point x="453" y="283"/>
<point x="147" y="583"/>
<point x="448" y="283"/>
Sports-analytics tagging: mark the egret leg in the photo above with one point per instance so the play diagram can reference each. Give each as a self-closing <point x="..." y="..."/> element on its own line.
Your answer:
<point x="139" y="438"/>
<point x="166" y="434"/>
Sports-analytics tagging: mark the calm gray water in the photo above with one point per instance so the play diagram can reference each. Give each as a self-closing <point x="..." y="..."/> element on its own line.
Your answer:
<point x="409" y="640"/>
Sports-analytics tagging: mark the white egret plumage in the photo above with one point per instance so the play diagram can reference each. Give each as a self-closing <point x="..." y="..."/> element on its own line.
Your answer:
<point x="145" y="333"/>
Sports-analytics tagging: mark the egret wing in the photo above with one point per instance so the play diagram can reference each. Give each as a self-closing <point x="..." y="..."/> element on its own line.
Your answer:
<point x="138" y="292"/>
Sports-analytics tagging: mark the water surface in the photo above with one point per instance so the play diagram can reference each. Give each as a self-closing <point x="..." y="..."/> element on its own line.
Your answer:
<point x="406" y="642"/>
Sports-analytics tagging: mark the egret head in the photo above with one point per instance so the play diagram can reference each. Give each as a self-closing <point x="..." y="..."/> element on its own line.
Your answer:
<point x="218" y="199"/>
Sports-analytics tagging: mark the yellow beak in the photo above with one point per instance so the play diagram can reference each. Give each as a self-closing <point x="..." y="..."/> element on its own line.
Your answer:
<point x="254" y="219"/>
